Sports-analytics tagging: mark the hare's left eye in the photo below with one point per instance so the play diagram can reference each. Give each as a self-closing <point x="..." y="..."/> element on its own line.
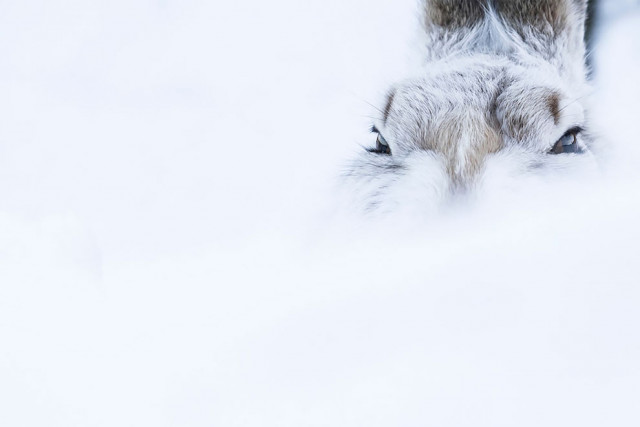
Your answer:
<point x="568" y="143"/>
<point x="382" y="146"/>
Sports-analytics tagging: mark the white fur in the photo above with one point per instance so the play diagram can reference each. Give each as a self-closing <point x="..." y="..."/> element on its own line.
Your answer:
<point x="476" y="81"/>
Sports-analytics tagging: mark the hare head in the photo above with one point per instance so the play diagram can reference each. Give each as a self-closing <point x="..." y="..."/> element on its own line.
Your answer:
<point x="502" y="93"/>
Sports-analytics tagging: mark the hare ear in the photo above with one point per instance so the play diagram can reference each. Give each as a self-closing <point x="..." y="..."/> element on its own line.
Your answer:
<point x="453" y="15"/>
<point x="448" y="22"/>
<point x="541" y="22"/>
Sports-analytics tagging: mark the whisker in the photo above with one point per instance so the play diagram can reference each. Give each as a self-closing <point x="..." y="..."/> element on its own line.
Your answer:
<point x="574" y="101"/>
<point x="368" y="103"/>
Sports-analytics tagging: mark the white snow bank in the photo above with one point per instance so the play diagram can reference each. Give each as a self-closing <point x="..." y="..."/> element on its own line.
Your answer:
<point x="169" y="255"/>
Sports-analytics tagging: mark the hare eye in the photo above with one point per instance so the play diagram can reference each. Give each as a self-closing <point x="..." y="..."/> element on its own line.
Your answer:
<point x="382" y="146"/>
<point x="568" y="143"/>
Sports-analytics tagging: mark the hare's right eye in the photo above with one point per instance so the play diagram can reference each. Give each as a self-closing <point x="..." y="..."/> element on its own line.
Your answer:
<point x="568" y="143"/>
<point x="382" y="146"/>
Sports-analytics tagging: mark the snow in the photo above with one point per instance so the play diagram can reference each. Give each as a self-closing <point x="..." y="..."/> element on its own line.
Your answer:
<point x="171" y="254"/>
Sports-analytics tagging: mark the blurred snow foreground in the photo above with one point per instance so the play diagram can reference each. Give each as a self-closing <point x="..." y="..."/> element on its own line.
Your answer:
<point x="166" y="257"/>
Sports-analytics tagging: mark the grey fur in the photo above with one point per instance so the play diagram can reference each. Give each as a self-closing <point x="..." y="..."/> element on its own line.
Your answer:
<point x="503" y="81"/>
<point x="454" y="14"/>
<point x="541" y="14"/>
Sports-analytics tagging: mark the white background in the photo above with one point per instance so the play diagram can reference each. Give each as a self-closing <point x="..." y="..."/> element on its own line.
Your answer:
<point x="170" y="254"/>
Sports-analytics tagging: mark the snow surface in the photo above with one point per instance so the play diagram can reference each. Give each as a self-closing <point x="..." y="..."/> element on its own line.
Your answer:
<point x="170" y="254"/>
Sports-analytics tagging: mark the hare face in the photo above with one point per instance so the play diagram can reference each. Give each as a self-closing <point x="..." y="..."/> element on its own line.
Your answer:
<point x="502" y="94"/>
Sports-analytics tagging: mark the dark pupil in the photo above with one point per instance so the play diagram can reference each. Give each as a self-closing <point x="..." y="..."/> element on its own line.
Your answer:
<point x="567" y="144"/>
<point x="382" y="146"/>
<point x="568" y="140"/>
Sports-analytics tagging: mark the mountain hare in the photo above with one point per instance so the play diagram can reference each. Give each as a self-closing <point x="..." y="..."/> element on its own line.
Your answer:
<point x="502" y="95"/>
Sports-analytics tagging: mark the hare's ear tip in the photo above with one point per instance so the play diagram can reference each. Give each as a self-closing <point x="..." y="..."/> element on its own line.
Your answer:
<point x="453" y="14"/>
<point x="547" y="16"/>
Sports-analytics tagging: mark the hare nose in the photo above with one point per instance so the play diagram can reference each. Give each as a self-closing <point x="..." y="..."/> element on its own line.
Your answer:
<point x="464" y="145"/>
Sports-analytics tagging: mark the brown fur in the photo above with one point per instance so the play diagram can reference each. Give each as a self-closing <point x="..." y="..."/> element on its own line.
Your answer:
<point x="388" y="104"/>
<point x="546" y="16"/>
<point x="553" y="102"/>
<point x="518" y="121"/>
<point x="454" y="14"/>
<point x="445" y="141"/>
